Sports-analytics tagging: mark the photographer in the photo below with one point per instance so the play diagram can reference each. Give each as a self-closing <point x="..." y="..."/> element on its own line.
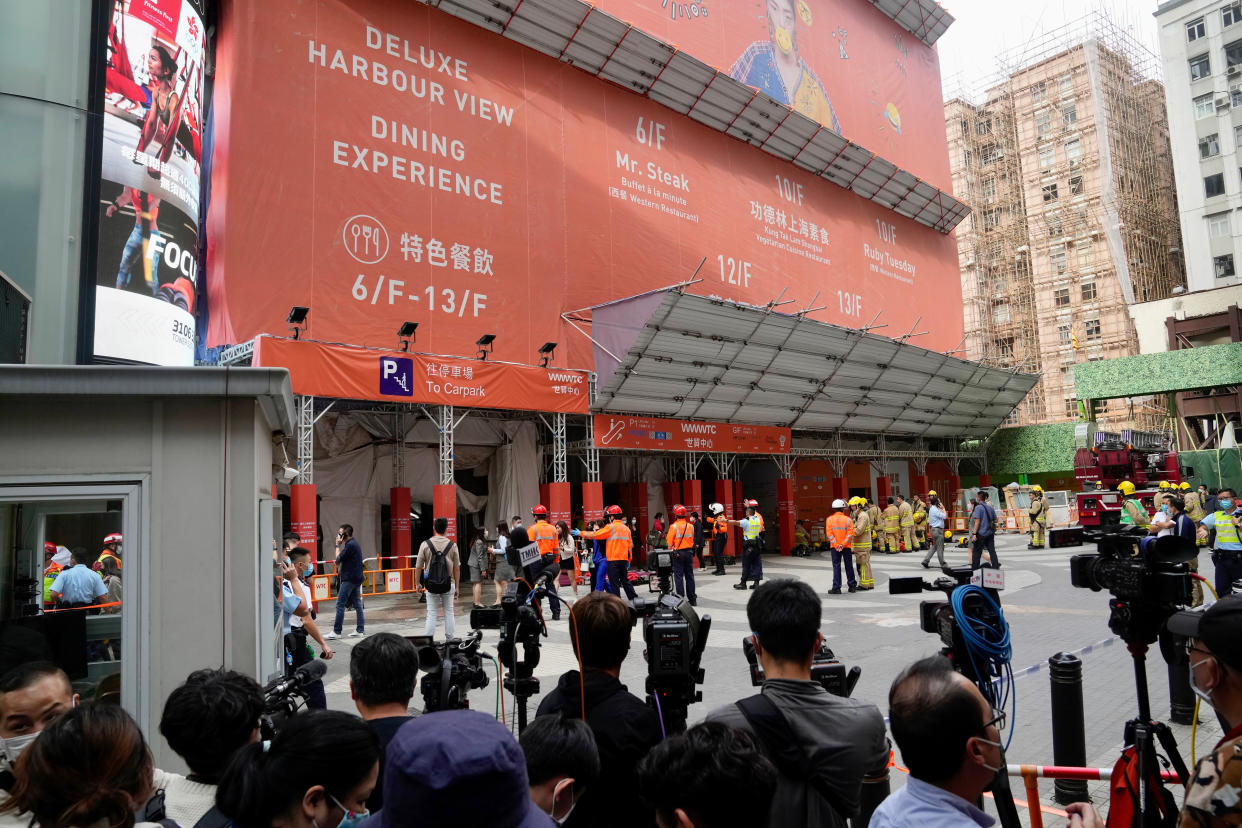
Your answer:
<point x="1215" y="647"/>
<point x="561" y="763"/>
<point x="1227" y="549"/>
<point x="624" y="727"/>
<point x="711" y="776"/>
<point x="320" y="768"/>
<point x="382" y="672"/>
<point x="206" y="721"/>
<point x="832" y="752"/>
<point x="949" y="739"/>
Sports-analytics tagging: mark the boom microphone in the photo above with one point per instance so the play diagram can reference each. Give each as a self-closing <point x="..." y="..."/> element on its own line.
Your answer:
<point x="310" y="672"/>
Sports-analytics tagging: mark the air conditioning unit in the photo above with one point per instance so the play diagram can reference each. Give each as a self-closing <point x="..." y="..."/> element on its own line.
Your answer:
<point x="1222" y="103"/>
<point x="1234" y="70"/>
<point x="1074" y="162"/>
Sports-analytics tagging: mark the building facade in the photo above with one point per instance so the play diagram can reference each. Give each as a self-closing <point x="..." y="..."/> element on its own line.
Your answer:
<point x="1066" y="164"/>
<point x="1201" y="48"/>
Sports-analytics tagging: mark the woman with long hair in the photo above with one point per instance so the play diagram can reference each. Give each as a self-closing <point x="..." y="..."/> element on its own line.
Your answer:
<point x="164" y="113"/>
<point x="504" y="568"/>
<point x="478" y="564"/>
<point x="568" y="553"/>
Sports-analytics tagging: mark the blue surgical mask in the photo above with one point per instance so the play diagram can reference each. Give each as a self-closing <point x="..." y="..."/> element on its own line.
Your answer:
<point x="308" y="571"/>
<point x="351" y="819"/>
<point x="1164" y="507"/>
<point x="1226" y="505"/>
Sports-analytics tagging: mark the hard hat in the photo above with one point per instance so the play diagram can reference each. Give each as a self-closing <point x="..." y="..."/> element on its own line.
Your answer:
<point x="1126" y="487"/>
<point x="1164" y="484"/>
<point x="931" y="493"/>
<point x="49" y="547"/>
<point x="613" y="510"/>
<point x="540" y="511"/>
<point x="838" y="503"/>
<point x="948" y="535"/>
<point x="716" y="509"/>
<point x="679" y="511"/>
<point x="853" y="501"/>
<point x="754" y="504"/>
<point x="1184" y="486"/>
<point x="1037" y="488"/>
<point x="862" y="501"/>
<point x="114" y="537"/>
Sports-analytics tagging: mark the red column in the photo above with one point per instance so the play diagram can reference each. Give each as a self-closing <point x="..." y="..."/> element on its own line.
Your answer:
<point x="303" y="516"/>
<point x="920" y="485"/>
<point x="558" y="502"/>
<point x="724" y="495"/>
<point x="399" y="526"/>
<point x="840" y="488"/>
<point x="882" y="490"/>
<point x="543" y="495"/>
<point x="672" y="496"/>
<point x="692" y="496"/>
<point x="444" y="505"/>
<point x="735" y="539"/>
<point x="641" y="512"/>
<point x="985" y="480"/>
<point x="593" y="500"/>
<point x="786" y="512"/>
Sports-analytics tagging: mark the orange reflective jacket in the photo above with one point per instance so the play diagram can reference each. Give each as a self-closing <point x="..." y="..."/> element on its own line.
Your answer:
<point x="680" y="535"/>
<point x="619" y="545"/>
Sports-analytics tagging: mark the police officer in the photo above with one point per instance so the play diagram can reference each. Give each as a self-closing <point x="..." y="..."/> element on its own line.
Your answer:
<point x="618" y="550"/>
<point x="906" y="521"/>
<point x="680" y="539"/>
<point x="720" y="536"/>
<point x="548" y="569"/>
<point x="1227" y="552"/>
<point x="840" y="531"/>
<point x="1039" y="518"/>
<point x="862" y="542"/>
<point x="752" y="551"/>
<point x="892" y="528"/>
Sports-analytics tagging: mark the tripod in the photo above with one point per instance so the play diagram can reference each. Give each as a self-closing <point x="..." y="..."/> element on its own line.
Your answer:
<point x="1139" y="732"/>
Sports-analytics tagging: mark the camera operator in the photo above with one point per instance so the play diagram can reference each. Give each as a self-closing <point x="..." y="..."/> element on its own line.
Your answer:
<point x="1215" y="648"/>
<point x="1227" y="551"/>
<point x="949" y="739"/>
<point x="711" y="776"/>
<point x="561" y="763"/>
<point x="832" y="752"/>
<point x="382" y="672"/>
<point x="625" y="728"/>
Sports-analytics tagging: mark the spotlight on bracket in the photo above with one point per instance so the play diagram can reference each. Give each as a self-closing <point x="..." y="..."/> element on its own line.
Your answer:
<point x="297" y="320"/>
<point x="406" y="334"/>
<point x="546" y="352"/>
<point x="485" y="345"/>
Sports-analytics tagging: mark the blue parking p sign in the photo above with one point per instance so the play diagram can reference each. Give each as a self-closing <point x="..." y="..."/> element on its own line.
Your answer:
<point x="396" y="376"/>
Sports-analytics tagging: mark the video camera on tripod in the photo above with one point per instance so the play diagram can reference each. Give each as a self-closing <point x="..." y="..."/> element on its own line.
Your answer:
<point x="451" y="669"/>
<point x="284" y="696"/>
<point x="520" y="626"/>
<point x="826" y="670"/>
<point x="675" y="637"/>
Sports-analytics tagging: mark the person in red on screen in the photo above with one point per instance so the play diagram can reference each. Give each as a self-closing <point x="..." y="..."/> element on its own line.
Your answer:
<point x="164" y="114"/>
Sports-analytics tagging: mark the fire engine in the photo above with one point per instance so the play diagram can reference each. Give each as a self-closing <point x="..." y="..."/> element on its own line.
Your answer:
<point x="1103" y="459"/>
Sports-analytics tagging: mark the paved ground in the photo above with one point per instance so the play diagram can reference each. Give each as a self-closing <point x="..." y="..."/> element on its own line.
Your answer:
<point x="881" y="633"/>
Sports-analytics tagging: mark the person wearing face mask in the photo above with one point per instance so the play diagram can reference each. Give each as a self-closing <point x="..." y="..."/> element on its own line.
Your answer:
<point x="950" y="739"/>
<point x="1227" y="551"/>
<point x="302" y="626"/>
<point x="561" y="763"/>
<point x="32" y="695"/>
<point x="316" y="773"/>
<point x="1214" y="643"/>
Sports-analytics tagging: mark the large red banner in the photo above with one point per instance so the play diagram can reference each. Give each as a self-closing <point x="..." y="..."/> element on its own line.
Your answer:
<point x="383" y="162"/>
<point x="321" y="369"/>
<point x="843" y="63"/>
<point x="657" y="434"/>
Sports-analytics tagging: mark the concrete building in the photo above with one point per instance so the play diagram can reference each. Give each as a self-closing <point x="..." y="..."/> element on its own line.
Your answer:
<point x="1201" y="48"/>
<point x="1065" y="161"/>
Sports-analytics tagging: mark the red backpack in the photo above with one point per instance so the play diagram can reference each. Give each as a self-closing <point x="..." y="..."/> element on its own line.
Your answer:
<point x="1124" y="793"/>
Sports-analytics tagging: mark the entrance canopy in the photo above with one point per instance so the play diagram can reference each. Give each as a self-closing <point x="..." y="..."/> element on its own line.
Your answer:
<point x="674" y="354"/>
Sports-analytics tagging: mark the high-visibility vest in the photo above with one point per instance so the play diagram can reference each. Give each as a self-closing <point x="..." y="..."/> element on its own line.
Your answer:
<point x="1138" y="517"/>
<point x="543" y="534"/>
<point x="619" y="545"/>
<point x="840" y="531"/>
<point x="107" y="554"/>
<point x="1226" y="532"/>
<point x="906" y="514"/>
<point x="680" y="535"/>
<point x="862" y="531"/>
<point x="892" y="519"/>
<point x="751" y="527"/>
<point x="720" y="525"/>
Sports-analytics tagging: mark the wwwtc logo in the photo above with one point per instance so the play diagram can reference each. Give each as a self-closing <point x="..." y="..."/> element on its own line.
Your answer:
<point x="396" y="376"/>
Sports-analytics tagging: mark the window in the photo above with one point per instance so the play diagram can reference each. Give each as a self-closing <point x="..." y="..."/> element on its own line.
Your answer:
<point x="1084" y="257"/>
<point x="1054" y="224"/>
<point x="1060" y="297"/>
<point x="1000" y="313"/>
<point x="1218" y="225"/>
<point x="991" y="218"/>
<point x="1069" y="115"/>
<point x="1200" y="67"/>
<point x="965" y="129"/>
<point x="1195" y="30"/>
<point x="1066" y="82"/>
<point x="1047" y="157"/>
<point x="1233" y="53"/>
<point x="1075" y="185"/>
<point x="1235" y="95"/>
<point x="1071" y="408"/>
<point x="1204" y="108"/>
<point x="1088" y="288"/>
<point x="1073" y="151"/>
<point x="1091" y="326"/>
<point x="1230" y="14"/>
<point x="1223" y="265"/>
<point x="1043" y="123"/>
<point x="1063" y="334"/>
<point x="1003" y="347"/>
<point x="1209" y="145"/>
<point x="1050" y="192"/>
<point x="984" y="127"/>
<point x="1214" y="185"/>
<point x="1057" y="256"/>
<point x="989" y="188"/>
<point x="1237" y="138"/>
<point x="1039" y="92"/>
<point x="989" y="153"/>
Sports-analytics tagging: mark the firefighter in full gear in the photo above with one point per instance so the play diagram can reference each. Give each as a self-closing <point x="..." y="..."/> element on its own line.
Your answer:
<point x="862" y="543"/>
<point x="1039" y="518"/>
<point x="752" y="549"/>
<point x="1133" y="513"/>
<point x="905" y="516"/>
<point x="892" y="529"/>
<point x="719" y="527"/>
<point x="877" y="525"/>
<point x="920" y="523"/>
<point x="840" y="531"/>
<point x="1194" y="509"/>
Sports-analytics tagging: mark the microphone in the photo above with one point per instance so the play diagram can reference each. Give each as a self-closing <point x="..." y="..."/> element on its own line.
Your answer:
<point x="310" y="672"/>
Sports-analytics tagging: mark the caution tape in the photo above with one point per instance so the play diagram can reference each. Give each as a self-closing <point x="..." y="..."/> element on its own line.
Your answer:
<point x="1090" y="648"/>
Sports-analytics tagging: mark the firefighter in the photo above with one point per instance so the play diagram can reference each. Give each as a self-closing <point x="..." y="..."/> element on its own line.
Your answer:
<point x="873" y="512"/>
<point x="112" y="544"/>
<point x="752" y="549"/>
<point x="548" y="569"/>
<point x="1194" y="509"/>
<point x="1039" y="518"/>
<point x="892" y="529"/>
<point x="862" y="543"/>
<point x="1133" y="512"/>
<point x="840" y="531"/>
<point x="906" y="521"/>
<point x="720" y="536"/>
<point x="618" y="550"/>
<point x="680" y="539"/>
<point x="920" y="523"/>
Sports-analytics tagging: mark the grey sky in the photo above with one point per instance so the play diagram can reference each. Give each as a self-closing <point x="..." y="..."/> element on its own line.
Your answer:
<point x="984" y="30"/>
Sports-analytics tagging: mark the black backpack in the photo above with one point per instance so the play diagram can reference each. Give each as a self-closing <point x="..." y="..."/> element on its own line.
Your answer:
<point x="439" y="579"/>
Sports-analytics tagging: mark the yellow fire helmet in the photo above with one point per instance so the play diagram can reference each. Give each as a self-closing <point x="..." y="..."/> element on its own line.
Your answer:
<point x="1184" y="486"/>
<point x="1126" y="488"/>
<point x="1164" y="484"/>
<point x="948" y="535"/>
<point x="1039" y="489"/>
<point x="932" y="493"/>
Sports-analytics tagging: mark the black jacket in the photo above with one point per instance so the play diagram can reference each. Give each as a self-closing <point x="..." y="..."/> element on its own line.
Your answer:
<point x="625" y="729"/>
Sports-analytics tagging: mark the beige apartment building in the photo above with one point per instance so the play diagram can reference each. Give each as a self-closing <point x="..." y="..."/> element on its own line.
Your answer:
<point x="1065" y="161"/>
